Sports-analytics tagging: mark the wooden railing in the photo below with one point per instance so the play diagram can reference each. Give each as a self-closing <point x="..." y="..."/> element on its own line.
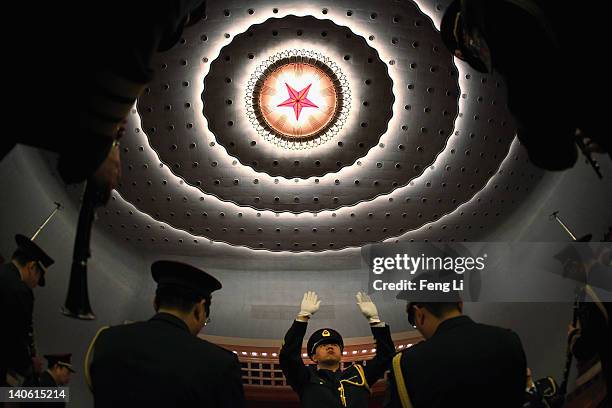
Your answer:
<point x="263" y="378"/>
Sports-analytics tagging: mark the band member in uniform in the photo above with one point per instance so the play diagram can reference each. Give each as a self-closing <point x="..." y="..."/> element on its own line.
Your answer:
<point x="542" y="393"/>
<point x="161" y="362"/>
<point x="592" y="335"/>
<point x="461" y="363"/>
<point x="326" y="385"/>
<point x="18" y="360"/>
<point x="58" y="374"/>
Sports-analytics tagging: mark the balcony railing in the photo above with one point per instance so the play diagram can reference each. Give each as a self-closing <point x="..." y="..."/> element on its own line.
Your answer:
<point x="263" y="378"/>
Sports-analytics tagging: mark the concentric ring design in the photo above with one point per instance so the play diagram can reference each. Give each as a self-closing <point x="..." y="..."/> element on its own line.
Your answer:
<point x="445" y="131"/>
<point x="361" y="71"/>
<point x="409" y="144"/>
<point x="321" y="83"/>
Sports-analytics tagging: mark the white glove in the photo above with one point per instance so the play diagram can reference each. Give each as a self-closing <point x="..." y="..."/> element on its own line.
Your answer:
<point x="310" y="304"/>
<point x="368" y="308"/>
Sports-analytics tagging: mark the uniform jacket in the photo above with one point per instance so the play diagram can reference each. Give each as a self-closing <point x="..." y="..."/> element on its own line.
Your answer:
<point x="16" y="306"/>
<point x="159" y="363"/>
<point x="47" y="381"/>
<point x="595" y="337"/>
<point x="320" y="388"/>
<point x="464" y="364"/>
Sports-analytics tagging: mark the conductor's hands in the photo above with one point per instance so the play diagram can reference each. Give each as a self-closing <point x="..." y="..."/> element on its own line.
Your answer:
<point x="367" y="307"/>
<point x="310" y="305"/>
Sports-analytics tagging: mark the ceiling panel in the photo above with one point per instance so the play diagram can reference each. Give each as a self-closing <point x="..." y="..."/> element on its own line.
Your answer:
<point x="424" y="137"/>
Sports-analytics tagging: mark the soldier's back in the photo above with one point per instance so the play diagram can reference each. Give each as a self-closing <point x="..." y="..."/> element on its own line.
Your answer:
<point x="466" y="364"/>
<point x="159" y="363"/>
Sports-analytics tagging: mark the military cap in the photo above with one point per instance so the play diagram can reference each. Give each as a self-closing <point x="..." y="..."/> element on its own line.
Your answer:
<point x="63" y="360"/>
<point x="451" y="29"/>
<point x="323" y="336"/>
<point x="35" y="253"/>
<point x="183" y="276"/>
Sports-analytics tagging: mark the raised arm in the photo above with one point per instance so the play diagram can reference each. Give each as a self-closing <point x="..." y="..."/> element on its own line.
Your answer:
<point x="290" y="356"/>
<point x="385" y="350"/>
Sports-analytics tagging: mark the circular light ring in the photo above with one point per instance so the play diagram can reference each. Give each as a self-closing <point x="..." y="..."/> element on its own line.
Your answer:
<point x="225" y="88"/>
<point x="218" y="226"/>
<point x="185" y="208"/>
<point x="164" y="235"/>
<point x="276" y="127"/>
<point x="227" y="158"/>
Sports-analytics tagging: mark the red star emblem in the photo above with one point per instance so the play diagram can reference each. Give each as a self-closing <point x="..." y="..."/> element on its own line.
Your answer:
<point x="298" y="100"/>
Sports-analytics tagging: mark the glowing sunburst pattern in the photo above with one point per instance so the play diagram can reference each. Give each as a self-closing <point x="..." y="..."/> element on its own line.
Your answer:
<point x="298" y="99"/>
<point x="308" y="87"/>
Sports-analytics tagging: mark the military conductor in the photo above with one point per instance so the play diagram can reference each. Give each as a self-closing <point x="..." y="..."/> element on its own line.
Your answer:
<point x="162" y="362"/>
<point x="461" y="363"/>
<point x="326" y="385"/>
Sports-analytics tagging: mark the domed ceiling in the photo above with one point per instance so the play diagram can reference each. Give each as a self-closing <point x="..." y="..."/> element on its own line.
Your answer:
<point x="316" y="126"/>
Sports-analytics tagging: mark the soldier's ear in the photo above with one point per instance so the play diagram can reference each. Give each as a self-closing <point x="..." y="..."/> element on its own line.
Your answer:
<point x="31" y="266"/>
<point x="155" y="304"/>
<point x="460" y="306"/>
<point x="199" y="310"/>
<point x="419" y="315"/>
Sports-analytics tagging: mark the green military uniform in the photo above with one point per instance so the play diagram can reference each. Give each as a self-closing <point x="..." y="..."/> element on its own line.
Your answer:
<point x="46" y="380"/>
<point x="16" y="307"/>
<point x="327" y="389"/>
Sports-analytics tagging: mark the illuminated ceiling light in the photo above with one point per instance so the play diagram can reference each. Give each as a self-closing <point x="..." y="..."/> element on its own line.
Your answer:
<point x="274" y="354"/>
<point x="466" y="89"/>
<point x="298" y="99"/>
<point x="401" y="346"/>
<point x="304" y="355"/>
<point x="264" y="354"/>
<point x="354" y="351"/>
